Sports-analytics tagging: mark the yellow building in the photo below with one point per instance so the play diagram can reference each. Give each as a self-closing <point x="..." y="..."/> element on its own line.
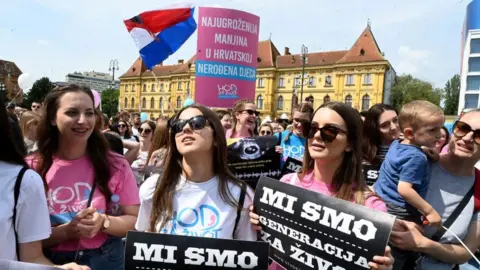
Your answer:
<point x="360" y="77"/>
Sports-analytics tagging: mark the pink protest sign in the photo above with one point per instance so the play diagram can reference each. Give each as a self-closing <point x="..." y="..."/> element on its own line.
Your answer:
<point x="227" y="51"/>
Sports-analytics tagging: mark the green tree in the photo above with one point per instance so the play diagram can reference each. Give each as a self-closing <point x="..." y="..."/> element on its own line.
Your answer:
<point x="452" y="94"/>
<point x="39" y="91"/>
<point x="408" y="88"/>
<point x="110" y="101"/>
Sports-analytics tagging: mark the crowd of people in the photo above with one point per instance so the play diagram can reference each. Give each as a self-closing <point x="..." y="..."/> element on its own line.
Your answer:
<point x="82" y="179"/>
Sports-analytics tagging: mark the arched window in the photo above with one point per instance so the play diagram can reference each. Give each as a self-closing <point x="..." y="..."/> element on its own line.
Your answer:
<point x="152" y="103"/>
<point x="133" y="103"/>
<point x="260" y="102"/>
<point x="348" y="100"/>
<point x="144" y="103"/>
<point x="280" y="103"/>
<point x="125" y="103"/>
<point x="153" y="87"/>
<point x="179" y="102"/>
<point x="326" y="99"/>
<point x="161" y="103"/>
<point x="365" y="102"/>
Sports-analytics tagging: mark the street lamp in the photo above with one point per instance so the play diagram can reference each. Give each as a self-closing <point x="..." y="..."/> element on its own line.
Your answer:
<point x="304" y="57"/>
<point x="2" y="91"/>
<point x="112" y="68"/>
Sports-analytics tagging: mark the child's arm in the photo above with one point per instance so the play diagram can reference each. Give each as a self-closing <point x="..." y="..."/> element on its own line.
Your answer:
<point x="409" y="194"/>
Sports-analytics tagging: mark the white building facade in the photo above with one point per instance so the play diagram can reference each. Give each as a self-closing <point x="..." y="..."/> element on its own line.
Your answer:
<point x="98" y="81"/>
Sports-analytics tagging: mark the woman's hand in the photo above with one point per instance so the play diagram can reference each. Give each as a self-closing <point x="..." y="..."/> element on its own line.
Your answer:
<point x="91" y="224"/>
<point x="407" y="235"/>
<point x="254" y="219"/>
<point x="73" y="266"/>
<point x="431" y="153"/>
<point x="278" y="149"/>
<point x="382" y="262"/>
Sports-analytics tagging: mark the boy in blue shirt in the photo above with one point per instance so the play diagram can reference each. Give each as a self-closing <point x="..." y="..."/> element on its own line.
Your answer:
<point x="404" y="175"/>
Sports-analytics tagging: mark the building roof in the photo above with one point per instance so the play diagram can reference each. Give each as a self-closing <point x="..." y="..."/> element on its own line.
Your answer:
<point x="365" y="49"/>
<point x="7" y="67"/>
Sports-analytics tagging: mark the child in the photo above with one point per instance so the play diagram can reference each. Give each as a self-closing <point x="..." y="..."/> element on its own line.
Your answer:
<point x="404" y="175"/>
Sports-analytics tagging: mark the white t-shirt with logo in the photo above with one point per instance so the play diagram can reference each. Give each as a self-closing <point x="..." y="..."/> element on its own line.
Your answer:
<point x="32" y="222"/>
<point x="198" y="210"/>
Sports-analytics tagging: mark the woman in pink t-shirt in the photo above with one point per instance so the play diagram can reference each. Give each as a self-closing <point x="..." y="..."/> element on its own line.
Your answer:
<point x="244" y="120"/>
<point x="92" y="195"/>
<point x="332" y="164"/>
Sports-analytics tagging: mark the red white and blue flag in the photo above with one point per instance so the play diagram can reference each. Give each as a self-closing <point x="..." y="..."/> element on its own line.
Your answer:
<point x="160" y="33"/>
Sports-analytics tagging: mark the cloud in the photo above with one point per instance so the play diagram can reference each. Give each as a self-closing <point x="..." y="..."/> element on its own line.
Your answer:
<point x="413" y="61"/>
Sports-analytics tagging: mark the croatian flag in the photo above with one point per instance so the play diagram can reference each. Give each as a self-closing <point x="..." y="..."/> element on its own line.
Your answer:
<point x="160" y="33"/>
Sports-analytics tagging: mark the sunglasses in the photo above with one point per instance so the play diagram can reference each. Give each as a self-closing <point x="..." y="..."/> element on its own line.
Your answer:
<point x="461" y="129"/>
<point x="122" y="126"/>
<point x="328" y="133"/>
<point x="251" y="112"/>
<point x="146" y="130"/>
<point x="35" y="106"/>
<point x="265" y="132"/>
<point x="195" y="123"/>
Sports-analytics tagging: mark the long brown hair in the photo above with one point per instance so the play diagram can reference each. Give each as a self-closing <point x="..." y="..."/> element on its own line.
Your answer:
<point x="238" y="107"/>
<point x="162" y="210"/>
<point x="371" y="132"/>
<point x="348" y="183"/>
<point x="48" y="140"/>
<point x="160" y="138"/>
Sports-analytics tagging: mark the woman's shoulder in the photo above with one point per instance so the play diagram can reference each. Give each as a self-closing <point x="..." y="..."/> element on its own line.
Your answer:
<point x="31" y="180"/>
<point x="117" y="161"/>
<point x="147" y="188"/>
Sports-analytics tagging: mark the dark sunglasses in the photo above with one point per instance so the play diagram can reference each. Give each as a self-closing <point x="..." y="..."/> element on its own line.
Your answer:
<point x="461" y="129"/>
<point x="328" y="133"/>
<point x="122" y="126"/>
<point x="265" y="132"/>
<point x="195" y="123"/>
<point x="146" y="130"/>
<point x="251" y="112"/>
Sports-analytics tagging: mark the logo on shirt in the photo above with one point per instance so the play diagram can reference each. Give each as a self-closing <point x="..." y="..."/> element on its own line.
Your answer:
<point x="293" y="151"/>
<point x="202" y="221"/>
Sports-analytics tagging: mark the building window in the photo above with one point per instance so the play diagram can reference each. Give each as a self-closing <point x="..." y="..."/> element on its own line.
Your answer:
<point x="152" y="103"/>
<point x="126" y="88"/>
<point x="179" y="85"/>
<point x="348" y="100"/>
<point x="144" y="88"/>
<point x="133" y="88"/>
<point x="328" y="80"/>
<point x="365" y="102"/>
<point x="169" y="102"/>
<point x="471" y="101"/>
<point x="161" y="104"/>
<point x="367" y="79"/>
<point x="296" y="82"/>
<point x="311" y="81"/>
<point x="260" y="102"/>
<point x="132" y="105"/>
<point x="188" y="86"/>
<point x="125" y="103"/>
<point x="474" y="64"/>
<point x="161" y="87"/>
<point x="170" y="87"/>
<point x="475" y="46"/>
<point x="349" y="80"/>
<point x="179" y="102"/>
<point x="144" y="103"/>
<point x="280" y="103"/>
<point x="281" y="82"/>
<point x="153" y="87"/>
<point x="261" y="83"/>
<point x="473" y="83"/>
<point x="326" y="99"/>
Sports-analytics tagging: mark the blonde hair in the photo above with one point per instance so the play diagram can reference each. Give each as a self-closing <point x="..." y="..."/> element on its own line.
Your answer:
<point x="238" y="107"/>
<point x="27" y="119"/>
<point x="414" y="113"/>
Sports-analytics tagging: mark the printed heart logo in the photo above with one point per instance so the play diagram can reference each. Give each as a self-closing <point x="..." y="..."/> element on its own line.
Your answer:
<point x="212" y="220"/>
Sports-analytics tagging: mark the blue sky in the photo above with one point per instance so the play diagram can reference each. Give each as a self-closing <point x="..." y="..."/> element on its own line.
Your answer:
<point x="54" y="37"/>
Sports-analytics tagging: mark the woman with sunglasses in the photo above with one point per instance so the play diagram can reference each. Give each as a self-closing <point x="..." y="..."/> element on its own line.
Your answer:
<point x="244" y="120"/>
<point x="125" y="131"/>
<point x="91" y="192"/>
<point x="265" y="129"/>
<point x="145" y="131"/>
<point x="332" y="164"/>
<point x="196" y="195"/>
<point x="291" y="143"/>
<point x="451" y="178"/>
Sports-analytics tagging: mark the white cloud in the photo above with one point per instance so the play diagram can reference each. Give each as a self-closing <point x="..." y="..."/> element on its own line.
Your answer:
<point x="413" y="61"/>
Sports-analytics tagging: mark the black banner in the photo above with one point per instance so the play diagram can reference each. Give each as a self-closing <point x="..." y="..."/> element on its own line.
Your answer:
<point x="291" y="165"/>
<point x="164" y="251"/>
<point x="371" y="173"/>
<point x="250" y="158"/>
<point x="309" y="230"/>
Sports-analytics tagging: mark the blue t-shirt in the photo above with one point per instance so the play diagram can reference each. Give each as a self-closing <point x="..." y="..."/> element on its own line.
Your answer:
<point x="294" y="147"/>
<point x="407" y="163"/>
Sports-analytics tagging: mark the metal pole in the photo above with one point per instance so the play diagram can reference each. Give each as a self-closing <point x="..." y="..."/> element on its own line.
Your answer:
<point x="304" y="58"/>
